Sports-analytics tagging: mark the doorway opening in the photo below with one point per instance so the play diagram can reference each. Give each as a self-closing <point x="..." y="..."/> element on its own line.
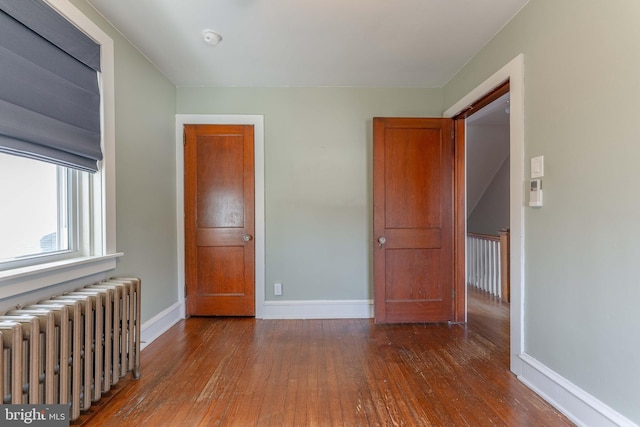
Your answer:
<point x="487" y="175"/>
<point x="513" y="72"/>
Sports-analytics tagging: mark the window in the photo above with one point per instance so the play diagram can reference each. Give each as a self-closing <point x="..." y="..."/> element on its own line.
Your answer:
<point x="57" y="224"/>
<point x="41" y="218"/>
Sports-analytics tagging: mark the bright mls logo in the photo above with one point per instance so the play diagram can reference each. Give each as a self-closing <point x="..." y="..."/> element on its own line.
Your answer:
<point x="34" y="415"/>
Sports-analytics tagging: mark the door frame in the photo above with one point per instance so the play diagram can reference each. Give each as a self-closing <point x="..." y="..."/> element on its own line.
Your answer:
<point x="259" y="234"/>
<point x="514" y="72"/>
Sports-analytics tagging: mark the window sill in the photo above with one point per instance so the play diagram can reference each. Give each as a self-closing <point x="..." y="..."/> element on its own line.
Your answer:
<point x="27" y="279"/>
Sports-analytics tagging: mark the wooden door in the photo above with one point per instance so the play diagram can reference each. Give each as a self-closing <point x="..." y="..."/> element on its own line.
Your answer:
<point x="219" y="220"/>
<point x="413" y="219"/>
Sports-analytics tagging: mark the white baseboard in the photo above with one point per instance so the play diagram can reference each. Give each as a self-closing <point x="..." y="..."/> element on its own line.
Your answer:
<point x="578" y="405"/>
<point x="160" y="323"/>
<point x="320" y="309"/>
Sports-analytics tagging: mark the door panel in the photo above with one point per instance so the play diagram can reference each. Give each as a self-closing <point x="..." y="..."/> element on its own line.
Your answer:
<point x="413" y="214"/>
<point x="223" y="274"/>
<point x="413" y="274"/>
<point x="220" y="195"/>
<point x="219" y="220"/>
<point x="412" y="191"/>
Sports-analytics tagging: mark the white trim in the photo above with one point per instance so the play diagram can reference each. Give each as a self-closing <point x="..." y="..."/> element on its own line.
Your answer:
<point x="27" y="279"/>
<point x="514" y="72"/>
<point x="159" y="324"/>
<point x="108" y="164"/>
<point x="105" y="180"/>
<point x="578" y="405"/>
<point x="219" y="119"/>
<point x="319" y="309"/>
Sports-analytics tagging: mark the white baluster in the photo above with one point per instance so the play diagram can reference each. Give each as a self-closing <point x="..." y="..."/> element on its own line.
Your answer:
<point x="498" y="271"/>
<point x="469" y="258"/>
<point x="492" y="275"/>
<point x="473" y="261"/>
<point x="485" y="262"/>
<point x="496" y="267"/>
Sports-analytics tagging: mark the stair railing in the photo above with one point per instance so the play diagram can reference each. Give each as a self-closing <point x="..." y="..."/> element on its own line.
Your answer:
<point x="488" y="263"/>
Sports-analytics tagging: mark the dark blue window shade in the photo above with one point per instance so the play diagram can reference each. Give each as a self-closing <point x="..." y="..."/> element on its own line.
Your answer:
<point x="49" y="92"/>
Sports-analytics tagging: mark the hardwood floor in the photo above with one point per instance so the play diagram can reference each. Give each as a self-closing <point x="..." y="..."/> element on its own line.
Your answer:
<point x="489" y="316"/>
<point x="247" y="372"/>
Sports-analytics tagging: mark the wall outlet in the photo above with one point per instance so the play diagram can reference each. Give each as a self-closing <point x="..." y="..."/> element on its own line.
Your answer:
<point x="277" y="288"/>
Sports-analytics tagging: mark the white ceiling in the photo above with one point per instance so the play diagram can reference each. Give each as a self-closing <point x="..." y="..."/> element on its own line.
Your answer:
<point x="275" y="43"/>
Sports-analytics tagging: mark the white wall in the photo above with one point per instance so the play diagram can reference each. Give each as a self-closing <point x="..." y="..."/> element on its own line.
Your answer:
<point x="582" y="64"/>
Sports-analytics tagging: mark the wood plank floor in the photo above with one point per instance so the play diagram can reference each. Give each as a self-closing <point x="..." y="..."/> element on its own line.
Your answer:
<point x="247" y="372"/>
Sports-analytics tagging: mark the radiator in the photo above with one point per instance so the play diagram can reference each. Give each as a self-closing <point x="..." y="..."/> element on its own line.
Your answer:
<point x="71" y="348"/>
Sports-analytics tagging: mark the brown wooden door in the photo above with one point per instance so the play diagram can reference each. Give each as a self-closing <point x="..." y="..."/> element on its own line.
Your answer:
<point x="413" y="219"/>
<point x="219" y="220"/>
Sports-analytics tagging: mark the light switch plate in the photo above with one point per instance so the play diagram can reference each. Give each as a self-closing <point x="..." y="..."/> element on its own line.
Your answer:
<point x="537" y="167"/>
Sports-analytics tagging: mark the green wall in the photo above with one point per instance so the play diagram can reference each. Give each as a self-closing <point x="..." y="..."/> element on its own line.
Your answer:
<point x="582" y="68"/>
<point x="318" y="178"/>
<point x="145" y="172"/>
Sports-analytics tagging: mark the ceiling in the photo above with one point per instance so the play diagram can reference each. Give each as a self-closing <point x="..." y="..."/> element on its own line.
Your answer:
<point x="279" y="43"/>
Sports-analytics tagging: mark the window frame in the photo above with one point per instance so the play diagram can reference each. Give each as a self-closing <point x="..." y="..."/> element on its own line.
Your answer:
<point x="98" y="252"/>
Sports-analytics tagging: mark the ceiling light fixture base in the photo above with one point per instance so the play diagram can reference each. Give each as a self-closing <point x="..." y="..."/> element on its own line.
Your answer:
<point x="211" y="37"/>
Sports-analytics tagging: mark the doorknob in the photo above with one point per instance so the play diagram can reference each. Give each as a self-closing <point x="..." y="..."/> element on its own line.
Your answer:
<point x="247" y="237"/>
<point x="381" y="241"/>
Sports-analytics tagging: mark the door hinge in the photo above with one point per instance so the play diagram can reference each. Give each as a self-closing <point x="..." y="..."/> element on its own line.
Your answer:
<point x="185" y="290"/>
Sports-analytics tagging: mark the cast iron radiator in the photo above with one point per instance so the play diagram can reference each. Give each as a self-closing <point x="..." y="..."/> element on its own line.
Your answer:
<point x="71" y="348"/>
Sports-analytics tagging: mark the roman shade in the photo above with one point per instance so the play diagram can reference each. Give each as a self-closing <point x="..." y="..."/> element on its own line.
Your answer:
<point x="49" y="92"/>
